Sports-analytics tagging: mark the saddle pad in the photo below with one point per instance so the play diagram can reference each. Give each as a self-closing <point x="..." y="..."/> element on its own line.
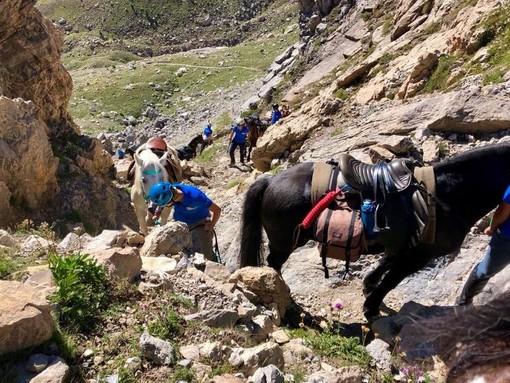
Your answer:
<point x="321" y="180"/>
<point x="426" y="177"/>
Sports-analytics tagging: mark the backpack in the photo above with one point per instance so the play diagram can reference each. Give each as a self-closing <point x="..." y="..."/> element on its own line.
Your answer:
<point x="339" y="233"/>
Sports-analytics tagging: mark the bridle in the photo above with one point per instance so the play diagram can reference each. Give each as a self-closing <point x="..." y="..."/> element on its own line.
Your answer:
<point x="157" y="172"/>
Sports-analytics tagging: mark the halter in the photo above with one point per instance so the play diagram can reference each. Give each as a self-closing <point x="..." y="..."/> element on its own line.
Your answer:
<point x="150" y="173"/>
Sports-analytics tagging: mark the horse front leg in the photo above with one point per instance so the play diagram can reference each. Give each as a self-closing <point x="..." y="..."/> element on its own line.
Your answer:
<point x="373" y="278"/>
<point x="399" y="267"/>
<point x="141" y="213"/>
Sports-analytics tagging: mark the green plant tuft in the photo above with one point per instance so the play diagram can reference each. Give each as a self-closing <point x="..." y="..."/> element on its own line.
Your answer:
<point x="166" y="326"/>
<point x="437" y="80"/>
<point x="183" y="375"/>
<point x="233" y="183"/>
<point x="342" y="94"/>
<point x="331" y="344"/>
<point x="81" y="293"/>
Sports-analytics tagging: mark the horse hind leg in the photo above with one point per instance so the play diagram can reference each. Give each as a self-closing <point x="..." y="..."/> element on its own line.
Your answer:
<point x="277" y="258"/>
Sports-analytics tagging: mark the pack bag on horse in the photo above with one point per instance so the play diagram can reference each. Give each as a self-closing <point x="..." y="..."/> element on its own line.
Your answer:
<point x="257" y="128"/>
<point x="463" y="188"/>
<point x="356" y="202"/>
<point x="154" y="162"/>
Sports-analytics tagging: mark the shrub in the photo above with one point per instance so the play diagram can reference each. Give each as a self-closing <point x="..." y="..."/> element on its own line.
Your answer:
<point x="183" y="374"/>
<point x="7" y="265"/>
<point x="437" y="80"/>
<point x="166" y="326"/>
<point x="81" y="293"/>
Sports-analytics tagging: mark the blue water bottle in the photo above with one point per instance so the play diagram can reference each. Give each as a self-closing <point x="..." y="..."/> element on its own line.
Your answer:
<point x="368" y="217"/>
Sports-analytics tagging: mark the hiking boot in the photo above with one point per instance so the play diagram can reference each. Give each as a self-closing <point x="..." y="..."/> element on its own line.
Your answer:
<point x="232" y="164"/>
<point x="473" y="286"/>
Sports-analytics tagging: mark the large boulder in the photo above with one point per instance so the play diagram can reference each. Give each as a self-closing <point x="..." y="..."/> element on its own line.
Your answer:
<point x="27" y="165"/>
<point x="169" y="239"/>
<point x="263" y="285"/>
<point x="25" y="317"/>
<point x="120" y="263"/>
<point x="30" y="61"/>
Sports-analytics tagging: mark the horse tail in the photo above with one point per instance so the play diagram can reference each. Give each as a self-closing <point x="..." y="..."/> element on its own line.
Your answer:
<point x="251" y="235"/>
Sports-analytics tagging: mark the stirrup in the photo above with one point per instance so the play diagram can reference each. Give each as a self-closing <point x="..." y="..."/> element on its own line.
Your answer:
<point x="378" y="229"/>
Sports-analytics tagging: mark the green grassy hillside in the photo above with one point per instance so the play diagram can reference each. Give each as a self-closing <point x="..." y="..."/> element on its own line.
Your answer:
<point x="108" y="49"/>
<point x="158" y="26"/>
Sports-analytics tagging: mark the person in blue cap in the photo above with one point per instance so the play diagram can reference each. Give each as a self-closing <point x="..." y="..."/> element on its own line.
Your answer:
<point x="276" y="115"/>
<point x="237" y="138"/>
<point x="207" y="134"/>
<point x="194" y="208"/>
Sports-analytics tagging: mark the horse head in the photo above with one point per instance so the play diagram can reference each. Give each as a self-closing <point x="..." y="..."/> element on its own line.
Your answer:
<point x="150" y="170"/>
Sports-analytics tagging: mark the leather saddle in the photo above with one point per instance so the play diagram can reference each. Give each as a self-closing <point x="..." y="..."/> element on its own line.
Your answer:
<point x="387" y="178"/>
<point x="393" y="177"/>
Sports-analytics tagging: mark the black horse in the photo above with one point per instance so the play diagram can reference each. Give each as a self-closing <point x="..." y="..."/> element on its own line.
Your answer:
<point x="468" y="186"/>
<point x="189" y="151"/>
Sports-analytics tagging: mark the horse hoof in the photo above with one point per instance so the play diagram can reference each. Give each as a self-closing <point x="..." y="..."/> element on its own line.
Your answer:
<point x="371" y="315"/>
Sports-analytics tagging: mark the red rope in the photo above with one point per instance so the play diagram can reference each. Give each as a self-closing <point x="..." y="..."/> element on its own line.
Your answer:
<point x="311" y="217"/>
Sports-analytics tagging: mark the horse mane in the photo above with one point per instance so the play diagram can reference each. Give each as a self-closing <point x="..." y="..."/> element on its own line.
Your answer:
<point x="496" y="150"/>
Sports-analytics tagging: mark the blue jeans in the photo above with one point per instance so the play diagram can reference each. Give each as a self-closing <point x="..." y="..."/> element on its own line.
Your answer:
<point x="496" y="258"/>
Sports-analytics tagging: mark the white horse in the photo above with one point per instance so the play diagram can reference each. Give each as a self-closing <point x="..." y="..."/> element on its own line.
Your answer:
<point x="149" y="170"/>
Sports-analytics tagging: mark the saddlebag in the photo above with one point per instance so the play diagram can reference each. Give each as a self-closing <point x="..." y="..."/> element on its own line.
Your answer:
<point x="339" y="233"/>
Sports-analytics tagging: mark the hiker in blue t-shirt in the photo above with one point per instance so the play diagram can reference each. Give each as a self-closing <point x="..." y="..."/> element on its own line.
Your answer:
<point x="497" y="255"/>
<point x="192" y="207"/>
<point x="207" y="134"/>
<point x="276" y="114"/>
<point x="236" y="139"/>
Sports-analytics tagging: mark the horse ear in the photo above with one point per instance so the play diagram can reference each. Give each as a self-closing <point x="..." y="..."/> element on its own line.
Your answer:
<point x="163" y="159"/>
<point x="138" y="160"/>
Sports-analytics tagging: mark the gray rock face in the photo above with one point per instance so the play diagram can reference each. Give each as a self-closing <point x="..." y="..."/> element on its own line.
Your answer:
<point x="268" y="374"/>
<point x="157" y="350"/>
<point x="215" y="318"/>
<point x="29" y="167"/>
<point x="250" y="359"/>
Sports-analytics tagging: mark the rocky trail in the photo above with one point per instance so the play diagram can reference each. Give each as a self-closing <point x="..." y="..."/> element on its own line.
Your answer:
<point x="423" y="80"/>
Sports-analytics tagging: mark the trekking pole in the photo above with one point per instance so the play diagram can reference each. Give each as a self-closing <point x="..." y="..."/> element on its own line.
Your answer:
<point x="216" y="248"/>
